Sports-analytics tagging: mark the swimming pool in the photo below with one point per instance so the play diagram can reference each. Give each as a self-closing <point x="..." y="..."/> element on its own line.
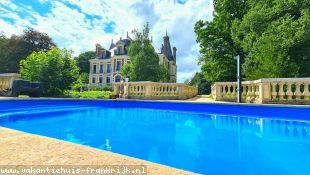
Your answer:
<point x="203" y="138"/>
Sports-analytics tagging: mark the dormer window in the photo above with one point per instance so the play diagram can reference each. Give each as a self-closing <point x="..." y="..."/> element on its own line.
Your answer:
<point x="119" y="49"/>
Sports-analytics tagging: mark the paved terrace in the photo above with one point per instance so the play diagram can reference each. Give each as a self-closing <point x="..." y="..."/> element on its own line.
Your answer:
<point x="19" y="148"/>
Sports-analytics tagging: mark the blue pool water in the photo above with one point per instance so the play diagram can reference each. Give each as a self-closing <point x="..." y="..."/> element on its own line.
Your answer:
<point x="203" y="138"/>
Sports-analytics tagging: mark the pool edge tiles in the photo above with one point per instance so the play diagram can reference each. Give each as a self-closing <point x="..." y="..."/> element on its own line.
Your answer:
<point x="19" y="148"/>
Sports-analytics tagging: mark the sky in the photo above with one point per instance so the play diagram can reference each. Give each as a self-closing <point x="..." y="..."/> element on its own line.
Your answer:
<point x="80" y="24"/>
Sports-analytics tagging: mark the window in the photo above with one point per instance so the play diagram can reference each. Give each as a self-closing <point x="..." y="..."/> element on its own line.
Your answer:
<point x="118" y="78"/>
<point x="118" y="65"/>
<point x="108" y="80"/>
<point x="108" y="68"/>
<point x="101" y="68"/>
<point x="100" y="79"/>
<point x="94" y="80"/>
<point x="119" y="49"/>
<point x="94" y="69"/>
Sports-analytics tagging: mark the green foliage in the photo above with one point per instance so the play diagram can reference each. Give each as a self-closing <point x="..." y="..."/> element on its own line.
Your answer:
<point x="164" y="74"/>
<point x="126" y="69"/>
<point x="17" y="48"/>
<point x="271" y="36"/>
<point x="204" y="87"/>
<point x="54" y="69"/>
<point x="83" y="61"/>
<point x="81" y="82"/>
<point x="217" y="46"/>
<point x="101" y="88"/>
<point x="276" y="36"/>
<point x="144" y="64"/>
<point x="92" y="94"/>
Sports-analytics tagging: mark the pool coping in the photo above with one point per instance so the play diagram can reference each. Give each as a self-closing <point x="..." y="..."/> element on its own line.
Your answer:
<point x="167" y="101"/>
<point x="19" y="148"/>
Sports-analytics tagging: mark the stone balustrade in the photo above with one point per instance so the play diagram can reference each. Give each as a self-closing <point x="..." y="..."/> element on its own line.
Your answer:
<point x="154" y="90"/>
<point x="267" y="90"/>
<point x="6" y="80"/>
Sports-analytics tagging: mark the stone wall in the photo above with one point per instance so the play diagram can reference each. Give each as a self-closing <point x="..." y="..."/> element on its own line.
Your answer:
<point x="267" y="90"/>
<point x="6" y="80"/>
<point x="154" y="90"/>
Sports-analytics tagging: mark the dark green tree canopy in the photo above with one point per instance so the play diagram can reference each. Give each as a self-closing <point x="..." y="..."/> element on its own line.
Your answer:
<point x="217" y="46"/>
<point x="275" y="34"/>
<point x="271" y="36"/>
<point x="83" y="61"/>
<point x="144" y="64"/>
<point x="17" y="48"/>
<point x="204" y="87"/>
<point x="54" y="69"/>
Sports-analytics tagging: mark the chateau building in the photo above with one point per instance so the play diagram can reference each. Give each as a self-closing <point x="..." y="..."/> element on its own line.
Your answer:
<point x="105" y="68"/>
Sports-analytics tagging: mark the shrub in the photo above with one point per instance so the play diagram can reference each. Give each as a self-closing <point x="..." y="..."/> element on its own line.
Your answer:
<point x="92" y="94"/>
<point x="101" y="88"/>
<point x="55" y="70"/>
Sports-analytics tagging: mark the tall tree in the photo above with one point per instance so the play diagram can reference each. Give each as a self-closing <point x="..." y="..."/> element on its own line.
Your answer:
<point x="204" y="87"/>
<point x="54" y="69"/>
<point x="144" y="64"/>
<point x="83" y="61"/>
<point x="217" y="46"/>
<point x="276" y="36"/>
<point x="17" y="48"/>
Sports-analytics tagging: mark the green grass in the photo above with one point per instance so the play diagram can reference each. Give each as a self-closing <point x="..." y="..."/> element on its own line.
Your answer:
<point x="92" y="94"/>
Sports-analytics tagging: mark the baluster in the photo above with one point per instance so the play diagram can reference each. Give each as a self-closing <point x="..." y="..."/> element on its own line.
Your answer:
<point x="306" y="93"/>
<point x="222" y="91"/>
<point x="162" y="90"/>
<point x="297" y="91"/>
<point x="247" y="96"/>
<point x="281" y="91"/>
<point x="255" y="91"/>
<point x="234" y="90"/>
<point x="134" y="90"/>
<point x="228" y="90"/>
<point x="251" y="91"/>
<point x="289" y="92"/>
<point x="243" y="91"/>
<point x="152" y="90"/>
<point x="168" y="90"/>
<point x="274" y="92"/>
<point x="156" y="90"/>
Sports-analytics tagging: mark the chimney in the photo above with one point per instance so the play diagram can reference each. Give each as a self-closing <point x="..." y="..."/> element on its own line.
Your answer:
<point x="175" y="53"/>
<point x="97" y="49"/>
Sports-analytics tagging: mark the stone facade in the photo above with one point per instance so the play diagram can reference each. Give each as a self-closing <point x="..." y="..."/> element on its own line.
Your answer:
<point x="105" y="69"/>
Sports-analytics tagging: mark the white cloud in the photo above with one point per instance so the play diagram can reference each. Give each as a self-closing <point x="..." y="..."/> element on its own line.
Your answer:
<point x="68" y="23"/>
<point x="43" y="1"/>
